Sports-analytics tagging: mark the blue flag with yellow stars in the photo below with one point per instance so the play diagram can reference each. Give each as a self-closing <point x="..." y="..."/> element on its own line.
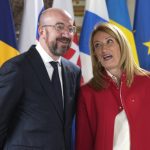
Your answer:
<point x="142" y="32"/>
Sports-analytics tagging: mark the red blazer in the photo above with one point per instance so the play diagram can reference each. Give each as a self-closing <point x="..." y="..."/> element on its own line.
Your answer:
<point x="96" y="112"/>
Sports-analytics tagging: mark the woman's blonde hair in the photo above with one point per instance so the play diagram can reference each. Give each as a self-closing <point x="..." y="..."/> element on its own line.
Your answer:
<point x="127" y="63"/>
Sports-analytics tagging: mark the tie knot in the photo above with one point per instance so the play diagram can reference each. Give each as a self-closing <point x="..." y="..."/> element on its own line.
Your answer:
<point x="54" y="64"/>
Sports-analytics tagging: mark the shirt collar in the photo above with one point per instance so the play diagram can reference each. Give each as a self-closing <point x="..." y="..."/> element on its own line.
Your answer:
<point x="114" y="78"/>
<point x="45" y="57"/>
<point x="109" y="74"/>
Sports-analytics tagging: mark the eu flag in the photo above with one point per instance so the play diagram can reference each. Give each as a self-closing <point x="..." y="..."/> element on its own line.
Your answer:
<point x="142" y="32"/>
<point x="8" y="46"/>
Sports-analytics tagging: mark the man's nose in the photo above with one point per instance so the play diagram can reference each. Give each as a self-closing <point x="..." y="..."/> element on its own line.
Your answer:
<point x="66" y="34"/>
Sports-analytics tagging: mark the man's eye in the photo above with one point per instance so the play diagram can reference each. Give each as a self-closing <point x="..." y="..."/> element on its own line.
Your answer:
<point x="60" y="27"/>
<point x="70" y="29"/>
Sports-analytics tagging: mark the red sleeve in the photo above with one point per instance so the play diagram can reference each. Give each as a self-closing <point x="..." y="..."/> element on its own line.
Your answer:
<point x="84" y="138"/>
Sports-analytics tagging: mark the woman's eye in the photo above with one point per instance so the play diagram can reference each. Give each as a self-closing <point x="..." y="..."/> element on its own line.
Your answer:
<point x="109" y="41"/>
<point x="97" y="45"/>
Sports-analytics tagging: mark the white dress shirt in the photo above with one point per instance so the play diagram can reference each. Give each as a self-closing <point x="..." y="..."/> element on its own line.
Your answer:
<point x="47" y="59"/>
<point x="121" y="132"/>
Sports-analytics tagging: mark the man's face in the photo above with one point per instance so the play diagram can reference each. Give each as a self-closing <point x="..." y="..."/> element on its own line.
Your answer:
<point x="58" y="35"/>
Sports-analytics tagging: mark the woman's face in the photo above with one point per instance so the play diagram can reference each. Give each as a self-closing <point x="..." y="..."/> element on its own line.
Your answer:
<point x="107" y="51"/>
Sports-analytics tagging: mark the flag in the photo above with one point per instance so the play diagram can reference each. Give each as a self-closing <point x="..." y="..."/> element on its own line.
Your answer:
<point x="95" y="12"/>
<point x="32" y="9"/>
<point x="119" y="15"/>
<point x="8" y="46"/>
<point x="142" y="32"/>
<point x="73" y="53"/>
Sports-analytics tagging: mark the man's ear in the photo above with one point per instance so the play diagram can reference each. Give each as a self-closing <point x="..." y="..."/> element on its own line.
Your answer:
<point x="41" y="30"/>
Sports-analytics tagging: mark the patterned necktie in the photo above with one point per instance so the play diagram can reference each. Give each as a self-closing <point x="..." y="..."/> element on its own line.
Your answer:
<point x="56" y="83"/>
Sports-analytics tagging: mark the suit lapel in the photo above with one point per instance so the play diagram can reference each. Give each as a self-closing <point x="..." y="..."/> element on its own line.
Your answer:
<point x="68" y="97"/>
<point x="42" y="74"/>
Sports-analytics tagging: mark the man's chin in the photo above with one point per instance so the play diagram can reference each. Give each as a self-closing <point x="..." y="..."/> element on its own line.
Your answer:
<point x="60" y="53"/>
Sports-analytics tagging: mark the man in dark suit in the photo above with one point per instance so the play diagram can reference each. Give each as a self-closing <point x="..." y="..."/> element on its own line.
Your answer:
<point x="34" y="114"/>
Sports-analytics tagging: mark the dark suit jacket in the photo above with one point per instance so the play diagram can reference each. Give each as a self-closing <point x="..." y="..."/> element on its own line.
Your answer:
<point x="30" y="118"/>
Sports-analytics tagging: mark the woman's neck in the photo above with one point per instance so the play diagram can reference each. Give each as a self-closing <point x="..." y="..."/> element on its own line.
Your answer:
<point x="115" y="75"/>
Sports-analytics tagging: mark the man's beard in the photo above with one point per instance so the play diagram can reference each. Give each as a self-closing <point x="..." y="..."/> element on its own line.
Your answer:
<point x="59" y="50"/>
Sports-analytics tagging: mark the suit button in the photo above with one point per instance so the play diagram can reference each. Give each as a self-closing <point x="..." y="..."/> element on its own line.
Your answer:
<point x="120" y="107"/>
<point x="132" y="100"/>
